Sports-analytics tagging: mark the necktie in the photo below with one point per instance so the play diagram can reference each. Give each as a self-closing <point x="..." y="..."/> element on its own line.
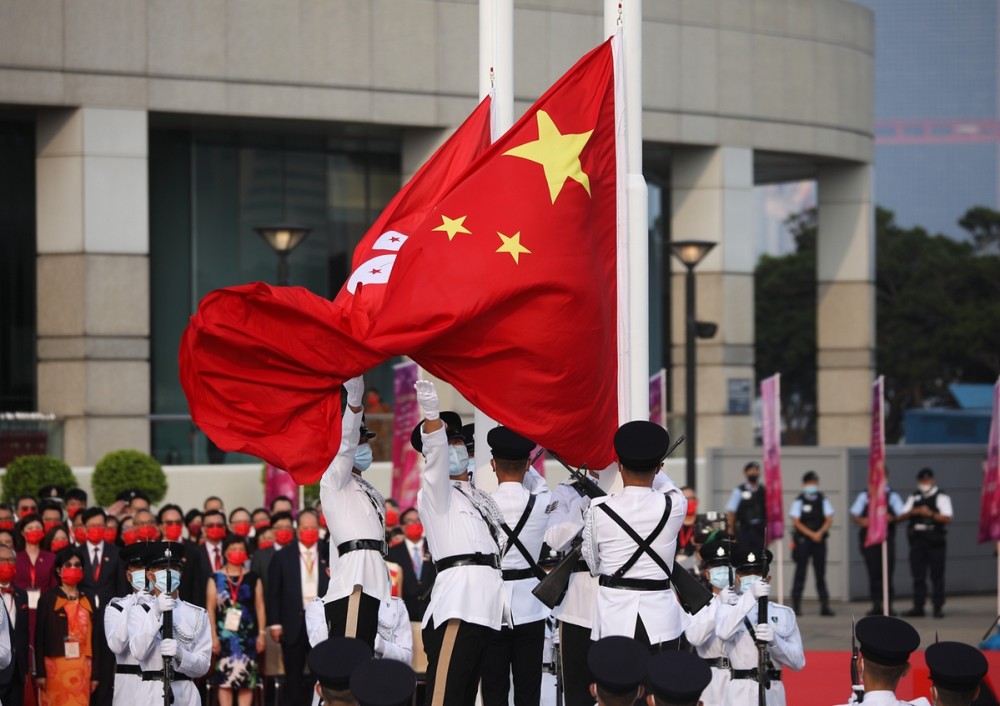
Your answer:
<point x="96" y="565"/>
<point x="418" y="561"/>
<point x="218" y="558"/>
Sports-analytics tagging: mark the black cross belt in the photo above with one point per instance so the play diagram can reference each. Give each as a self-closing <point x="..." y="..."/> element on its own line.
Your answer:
<point x="635" y="584"/>
<point x="517" y="574"/>
<point x="128" y="669"/>
<point x="357" y="545"/>
<point x="450" y="562"/>
<point x="158" y="676"/>
<point x="772" y="674"/>
<point x="717" y="662"/>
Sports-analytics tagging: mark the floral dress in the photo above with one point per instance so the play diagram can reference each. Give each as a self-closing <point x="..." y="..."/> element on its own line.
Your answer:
<point x="236" y="667"/>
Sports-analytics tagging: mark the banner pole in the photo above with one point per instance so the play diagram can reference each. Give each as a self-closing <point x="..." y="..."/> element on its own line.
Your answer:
<point x="781" y="571"/>
<point x="885" y="577"/>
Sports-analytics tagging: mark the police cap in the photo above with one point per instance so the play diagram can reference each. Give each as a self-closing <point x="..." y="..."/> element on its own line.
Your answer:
<point x="718" y="552"/>
<point x="469" y="434"/>
<point x="383" y="682"/>
<point x="163" y="555"/>
<point x="508" y="445"/>
<point x="678" y="677"/>
<point x="955" y="666"/>
<point x="453" y="427"/>
<point x="134" y="554"/>
<point x="887" y="641"/>
<point x="751" y="558"/>
<point x="332" y="661"/>
<point x="617" y="663"/>
<point x="925" y="473"/>
<point x="51" y="492"/>
<point x="365" y="434"/>
<point x="641" y="446"/>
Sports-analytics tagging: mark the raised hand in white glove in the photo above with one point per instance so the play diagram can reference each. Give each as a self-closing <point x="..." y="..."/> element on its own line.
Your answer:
<point x="355" y="388"/>
<point x="727" y="596"/>
<point x="163" y="603"/>
<point x="765" y="633"/>
<point x="168" y="648"/>
<point x="427" y="398"/>
<point x="760" y="589"/>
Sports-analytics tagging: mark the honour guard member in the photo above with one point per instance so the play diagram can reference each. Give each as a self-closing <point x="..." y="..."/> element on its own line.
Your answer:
<point x="886" y="644"/>
<point x="188" y="653"/>
<point x="957" y="671"/>
<point x="517" y="650"/>
<point x="393" y="641"/>
<point x="717" y="556"/>
<point x="128" y="677"/>
<point x="462" y="527"/>
<point x="619" y="668"/>
<point x="629" y="541"/>
<point x="677" y="679"/>
<point x="737" y="625"/>
<point x="929" y="512"/>
<point x="873" y="554"/>
<point x="332" y="662"/>
<point x="355" y="517"/>
<point x="747" y="508"/>
<point x="812" y="515"/>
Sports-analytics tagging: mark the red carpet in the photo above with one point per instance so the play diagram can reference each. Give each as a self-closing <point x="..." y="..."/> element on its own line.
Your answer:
<point x="826" y="679"/>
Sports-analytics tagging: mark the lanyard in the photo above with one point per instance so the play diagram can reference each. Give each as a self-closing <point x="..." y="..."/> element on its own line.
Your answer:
<point x="685" y="535"/>
<point x="31" y="571"/>
<point x="235" y="592"/>
<point x="71" y="616"/>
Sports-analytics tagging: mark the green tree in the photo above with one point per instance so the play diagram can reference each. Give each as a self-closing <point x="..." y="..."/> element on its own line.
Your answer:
<point x="983" y="224"/>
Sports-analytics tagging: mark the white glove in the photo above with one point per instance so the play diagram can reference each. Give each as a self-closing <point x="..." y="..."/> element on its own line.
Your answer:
<point x="727" y="596"/>
<point x="168" y="648"/>
<point x="765" y="633"/>
<point x="162" y="603"/>
<point x="581" y="504"/>
<point x="427" y="398"/>
<point x="761" y="589"/>
<point x="355" y="388"/>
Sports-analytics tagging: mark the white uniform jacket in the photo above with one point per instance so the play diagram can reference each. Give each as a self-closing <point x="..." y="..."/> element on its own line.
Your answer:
<point x="194" y="650"/>
<point x="887" y="698"/>
<point x="700" y="632"/>
<point x="353" y="510"/>
<point x="512" y="499"/>
<point x="116" y="614"/>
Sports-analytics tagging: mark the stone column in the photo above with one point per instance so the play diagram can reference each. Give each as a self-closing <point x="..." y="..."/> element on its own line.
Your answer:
<point x="93" y="278"/>
<point x="845" y="305"/>
<point x="712" y="199"/>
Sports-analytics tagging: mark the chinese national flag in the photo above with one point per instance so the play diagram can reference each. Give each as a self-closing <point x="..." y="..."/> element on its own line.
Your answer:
<point x="506" y="287"/>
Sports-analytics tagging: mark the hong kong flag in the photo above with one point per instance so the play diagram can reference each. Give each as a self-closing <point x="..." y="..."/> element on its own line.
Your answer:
<point x="505" y="287"/>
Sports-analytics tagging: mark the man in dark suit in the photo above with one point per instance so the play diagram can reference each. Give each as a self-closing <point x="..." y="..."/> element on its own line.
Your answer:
<point x="15" y="602"/>
<point x="204" y="560"/>
<point x="297" y="574"/>
<point x="103" y="578"/>
<point x="413" y="556"/>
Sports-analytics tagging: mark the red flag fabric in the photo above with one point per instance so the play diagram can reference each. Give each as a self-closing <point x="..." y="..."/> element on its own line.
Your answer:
<point x="878" y="521"/>
<point x="507" y="289"/>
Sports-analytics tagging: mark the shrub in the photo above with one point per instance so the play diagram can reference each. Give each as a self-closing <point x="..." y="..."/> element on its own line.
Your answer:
<point x="26" y="474"/>
<point x="127" y="469"/>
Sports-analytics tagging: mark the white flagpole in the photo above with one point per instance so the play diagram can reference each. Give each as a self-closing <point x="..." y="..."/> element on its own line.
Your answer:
<point x="496" y="74"/>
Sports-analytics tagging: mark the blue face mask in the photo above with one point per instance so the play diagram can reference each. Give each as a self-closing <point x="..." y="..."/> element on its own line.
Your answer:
<point x="746" y="582"/>
<point x="718" y="576"/>
<point x="363" y="457"/>
<point x="458" y="459"/>
<point x="161" y="580"/>
<point x="810" y="489"/>
<point x="138" y="579"/>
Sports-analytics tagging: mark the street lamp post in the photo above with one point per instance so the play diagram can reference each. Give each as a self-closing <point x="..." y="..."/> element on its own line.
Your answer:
<point x="690" y="253"/>
<point x="283" y="239"/>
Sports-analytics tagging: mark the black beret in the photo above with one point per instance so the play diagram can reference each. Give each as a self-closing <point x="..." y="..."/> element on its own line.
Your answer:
<point x="677" y="676"/>
<point x="134" y="554"/>
<point x="718" y="552"/>
<point x="618" y="663"/>
<point x="383" y="682"/>
<point x="641" y="446"/>
<point x="751" y="558"/>
<point x="507" y="444"/>
<point x="925" y="473"/>
<point x="453" y="428"/>
<point x="161" y="555"/>
<point x="955" y="666"/>
<point x="885" y="640"/>
<point x="810" y="475"/>
<point x="333" y="660"/>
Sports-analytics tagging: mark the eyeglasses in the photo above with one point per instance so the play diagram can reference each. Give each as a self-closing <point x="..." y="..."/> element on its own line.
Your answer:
<point x="173" y="523"/>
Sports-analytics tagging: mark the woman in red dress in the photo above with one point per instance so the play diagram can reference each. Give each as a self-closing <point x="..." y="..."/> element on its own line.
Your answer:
<point x="35" y="573"/>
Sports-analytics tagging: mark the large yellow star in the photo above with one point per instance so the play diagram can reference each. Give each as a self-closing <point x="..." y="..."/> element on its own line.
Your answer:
<point x="452" y="226"/>
<point x="558" y="154"/>
<point x="512" y="245"/>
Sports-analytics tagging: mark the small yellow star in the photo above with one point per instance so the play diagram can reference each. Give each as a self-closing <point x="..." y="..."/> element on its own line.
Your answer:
<point x="512" y="245"/>
<point x="452" y="226"/>
<point x="558" y="154"/>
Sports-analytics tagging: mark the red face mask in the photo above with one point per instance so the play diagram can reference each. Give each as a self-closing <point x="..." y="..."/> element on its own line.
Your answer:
<point x="49" y="525"/>
<point x="129" y="536"/>
<point x="147" y="533"/>
<point x="194" y="531"/>
<point x="57" y="544"/>
<point x="692" y="507"/>
<point x="172" y="532"/>
<point x="95" y="535"/>
<point x="391" y="518"/>
<point x="241" y="529"/>
<point x="110" y="534"/>
<point x="414" y="531"/>
<point x="71" y="511"/>
<point x="81" y="534"/>
<point x="72" y="575"/>
<point x="261" y="525"/>
<point x="33" y="536"/>
<point x="215" y="533"/>
<point x="284" y="536"/>
<point x="7" y="571"/>
<point x="309" y="536"/>
<point x="236" y="557"/>
<point x="265" y="543"/>
<point x="6" y="524"/>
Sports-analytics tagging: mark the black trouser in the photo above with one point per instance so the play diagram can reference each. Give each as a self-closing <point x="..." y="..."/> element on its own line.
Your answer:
<point x="927" y="554"/>
<point x="294" y="690"/>
<point x="455" y="651"/>
<point x="806" y="549"/>
<point x="873" y="562"/>
<point x="642" y="636"/>
<point x="516" y="651"/>
<point x="105" y="674"/>
<point x="366" y="626"/>
<point x="12" y="693"/>
<point x="574" y="645"/>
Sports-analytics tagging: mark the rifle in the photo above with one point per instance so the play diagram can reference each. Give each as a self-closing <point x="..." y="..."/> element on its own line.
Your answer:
<point x="763" y="680"/>
<point x="168" y="634"/>
<point x="856" y="687"/>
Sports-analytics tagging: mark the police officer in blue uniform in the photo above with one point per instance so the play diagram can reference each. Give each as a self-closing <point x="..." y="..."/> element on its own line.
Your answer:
<point x="873" y="554"/>
<point x="747" y="508"/>
<point x="929" y="512"/>
<point x="812" y="515"/>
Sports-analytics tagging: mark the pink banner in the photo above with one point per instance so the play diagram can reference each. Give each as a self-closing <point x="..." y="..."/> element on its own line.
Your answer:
<point x="278" y="483"/>
<point x="878" y="525"/>
<point x="657" y="398"/>
<point x="989" y="511"/>
<point x="405" y="474"/>
<point x="770" y="398"/>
